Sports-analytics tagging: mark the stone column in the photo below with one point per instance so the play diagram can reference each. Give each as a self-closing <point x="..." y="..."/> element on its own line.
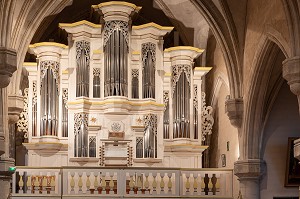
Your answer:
<point x="249" y="173"/>
<point x="8" y="64"/>
<point x="291" y="72"/>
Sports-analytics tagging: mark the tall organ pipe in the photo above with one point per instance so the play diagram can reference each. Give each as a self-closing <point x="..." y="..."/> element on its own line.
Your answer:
<point x="83" y="68"/>
<point x="181" y="108"/>
<point x="49" y="100"/>
<point x="115" y="55"/>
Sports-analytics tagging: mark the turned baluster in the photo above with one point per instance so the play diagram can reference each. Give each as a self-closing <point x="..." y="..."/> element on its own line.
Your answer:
<point x="162" y="183"/>
<point x="21" y="182"/>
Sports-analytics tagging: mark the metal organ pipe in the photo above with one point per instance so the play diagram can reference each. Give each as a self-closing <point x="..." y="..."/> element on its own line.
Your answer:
<point x="148" y="53"/>
<point x="49" y="98"/>
<point x="181" y="108"/>
<point x="115" y="55"/>
<point x="83" y="68"/>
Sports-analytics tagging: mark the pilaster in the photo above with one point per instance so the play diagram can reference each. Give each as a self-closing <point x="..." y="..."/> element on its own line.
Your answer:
<point x="291" y="72"/>
<point x="234" y="109"/>
<point x="249" y="173"/>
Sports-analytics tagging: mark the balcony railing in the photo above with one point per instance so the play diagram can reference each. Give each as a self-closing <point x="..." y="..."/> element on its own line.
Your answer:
<point x="129" y="182"/>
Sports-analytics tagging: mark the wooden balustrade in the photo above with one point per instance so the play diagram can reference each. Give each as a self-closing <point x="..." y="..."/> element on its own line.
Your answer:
<point x="121" y="182"/>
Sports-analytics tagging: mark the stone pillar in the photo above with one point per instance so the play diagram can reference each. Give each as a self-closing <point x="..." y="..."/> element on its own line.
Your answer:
<point x="8" y="64"/>
<point x="291" y="72"/>
<point x="249" y="173"/>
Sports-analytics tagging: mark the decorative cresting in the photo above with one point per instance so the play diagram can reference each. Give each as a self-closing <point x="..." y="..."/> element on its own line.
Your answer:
<point x="81" y="135"/>
<point x="82" y="68"/>
<point x="150" y="136"/>
<point x="49" y="71"/>
<point x="207" y="118"/>
<point x="166" y="115"/>
<point x="34" y="109"/>
<point x="111" y="26"/>
<point x="22" y="124"/>
<point x="64" y="121"/>
<point x="181" y="100"/>
<point x="96" y="83"/>
<point x="195" y="110"/>
<point x="47" y="67"/>
<point x="149" y="59"/>
<point x="115" y="58"/>
<point x="135" y="83"/>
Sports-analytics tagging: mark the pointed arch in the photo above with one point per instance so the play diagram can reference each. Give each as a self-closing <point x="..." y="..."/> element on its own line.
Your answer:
<point x="225" y="33"/>
<point x="257" y="101"/>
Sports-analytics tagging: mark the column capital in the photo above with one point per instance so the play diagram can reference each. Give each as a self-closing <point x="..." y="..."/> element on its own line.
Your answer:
<point x="15" y="107"/>
<point x="234" y="109"/>
<point x="8" y="65"/>
<point x="251" y="169"/>
<point x="291" y="72"/>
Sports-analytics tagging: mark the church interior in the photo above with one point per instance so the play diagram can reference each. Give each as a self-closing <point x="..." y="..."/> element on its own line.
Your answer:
<point x="150" y="99"/>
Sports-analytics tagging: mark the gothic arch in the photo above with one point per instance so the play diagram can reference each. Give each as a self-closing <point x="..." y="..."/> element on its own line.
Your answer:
<point x="292" y="13"/>
<point x="225" y="32"/>
<point x="28" y="20"/>
<point x="256" y="106"/>
<point x="221" y="80"/>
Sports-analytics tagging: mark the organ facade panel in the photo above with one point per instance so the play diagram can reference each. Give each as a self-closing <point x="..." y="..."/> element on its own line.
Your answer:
<point x="115" y="97"/>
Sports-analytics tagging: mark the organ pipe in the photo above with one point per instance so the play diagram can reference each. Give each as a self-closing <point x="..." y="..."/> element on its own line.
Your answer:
<point x="49" y="98"/>
<point x="83" y="68"/>
<point x="116" y="64"/>
<point x="181" y="108"/>
<point x="148" y="51"/>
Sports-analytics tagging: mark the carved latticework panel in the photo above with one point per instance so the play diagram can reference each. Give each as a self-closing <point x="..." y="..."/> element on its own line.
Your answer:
<point x="207" y="118"/>
<point x="22" y="124"/>
<point x="111" y="26"/>
<point x="96" y="72"/>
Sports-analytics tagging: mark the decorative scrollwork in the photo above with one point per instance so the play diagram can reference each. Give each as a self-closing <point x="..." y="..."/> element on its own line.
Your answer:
<point x="34" y="93"/>
<point x="53" y="66"/>
<point x="116" y="127"/>
<point x="79" y="119"/>
<point x="195" y="100"/>
<point x="135" y="73"/>
<point x="148" y="47"/>
<point x="22" y="124"/>
<point x="166" y="99"/>
<point x="96" y="72"/>
<point x="65" y="96"/>
<point x="111" y="26"/>
<point x="207" y="118"/>
<point x="150" y="121"/>
<point x="83" y="46"/>
<point x="176" y="72"/>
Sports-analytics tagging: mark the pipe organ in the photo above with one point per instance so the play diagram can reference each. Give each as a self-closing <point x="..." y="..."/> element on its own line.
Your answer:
<point x="115" y="97"/>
